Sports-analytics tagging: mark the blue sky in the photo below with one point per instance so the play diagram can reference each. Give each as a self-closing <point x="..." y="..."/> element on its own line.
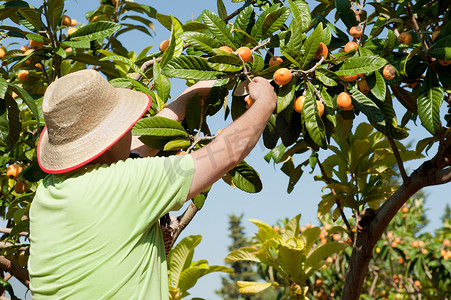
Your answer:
<point x="273" y="203"/>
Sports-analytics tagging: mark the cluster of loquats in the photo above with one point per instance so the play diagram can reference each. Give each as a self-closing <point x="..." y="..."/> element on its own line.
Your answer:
<point x="12" y="172"/>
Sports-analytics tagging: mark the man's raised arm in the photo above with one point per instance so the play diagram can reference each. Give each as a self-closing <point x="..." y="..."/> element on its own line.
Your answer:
<point x="236" y="141"/>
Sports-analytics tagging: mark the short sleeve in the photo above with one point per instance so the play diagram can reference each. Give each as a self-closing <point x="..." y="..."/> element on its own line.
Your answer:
<point x="161" y="183"/>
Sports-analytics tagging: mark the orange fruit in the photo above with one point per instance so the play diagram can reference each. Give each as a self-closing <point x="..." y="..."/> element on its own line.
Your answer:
<point x="389" y="72"/>
<point x="330" y="260"/>
<point x="23" y="75"/>
<point x="344" y="101"/>
<point x="20" y="187"/>
<point x="405" y="209"/>
<point x="322" y="51"/>
<point x="415" y="244"/>
<point x="36" y="45"/>
<point x="282" y="76"/>
<point x="164" y="45"/>
<point x="336" y="237"/>
<point x="73" y="22"/>
<point x="13" y="171"/>
<point x="71" y="30"/>
<point x="444" y="63"/>
<point x="351" y="45"/>
<point x="299" y="104"/>
<point x="405" y="38"/>
<point x="2" y="53"/>
<point x="69" y="50"/>
<point x="38" y="66"/>
<point x="24" y="48"/>
<point x="67" y="21"/>
<point x="363" y="86"/>
<point x="245" y="53"/>
<point x="249" y="101"/>
<point x="274" y="61"/>
<point x="181" y="152"/>
<point x="421" y="244"/>
<point x="417" y="283"/>
<point x="349" y="78"/>
<point x="320" y="107"/>
<point x="27" y="52"/>
<point x="226" y="48"/>
<point x="446" y="243"/>
<point x="356" y="31"/>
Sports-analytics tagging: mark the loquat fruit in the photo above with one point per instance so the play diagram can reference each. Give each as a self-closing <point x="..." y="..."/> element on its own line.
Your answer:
<point x="249" y="101"/>
<point x="349" y="78"/>
<point x="351" y="45"/>
<point x="36" y="45"/>
<point x="22" y="75"/>
<point x="322" y="51"/>
<point x="71" y="30"/>
<point x="67" y="21"/>
<point x="164" y="45"/>
<point x="405" y="38"/>
<point x="389" y="72"/>
<point x="299" y="103"/>
<point x="363" y="86"/>
<point x="13" y="171"/>
<point x="344" y="101"/>
<point x="20" y="187"/>
<point x="245" y="53"/>
<point x="73" y="22"/>
<point x="274" y="61"/>
<point x="356" y="31"/>
<point x="282" y="76"/>
<point x="444" y="63"/>
<point x="320" y="107"/>
<point x="226" y="48"/>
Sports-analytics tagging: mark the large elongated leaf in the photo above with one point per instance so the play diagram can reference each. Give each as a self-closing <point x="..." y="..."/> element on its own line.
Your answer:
<point x="190" y="67"/>
<point x="175" y="48"/>
<point x="247" y="287"/>
<point x="389" y="44"/>
<point x="27" y="99"/>
<point x="377" y="85"/>
<point x="301" y="14"/>
<point x="429" y="102"/>
<point x="245" y="253"/>
<point x="55" y="10"/>
<point x="95" y="30"/>
<point x="366" y="105"/>
<point x="346" y="14"/>
<point x="257" y="31"/>
<point x="292" y="228"/>
<point x="291" y="260"/>
<point x="159" y="127"/>
<point x="201" y="41"/>
<point x="218" y="28"/>
<point x="126" y="61"/>
<point x="285" y="95"/>
<point x="361" y="64"/>
<point x="275" y="21"/>
<point x="243" y="22"/>
<point x="246" y="178"/>
<point x="312" y="120"/>
<point x="442" y="49"/>
<point x="190" y="276"/>
<point x="311" y="45"/>
<point x="324" y="251"/>
<point x="181" y="255"/>
<point x="161" y="82"/>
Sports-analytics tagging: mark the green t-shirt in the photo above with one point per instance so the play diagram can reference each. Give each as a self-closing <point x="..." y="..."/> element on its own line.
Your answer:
<point x="95" y="231"/>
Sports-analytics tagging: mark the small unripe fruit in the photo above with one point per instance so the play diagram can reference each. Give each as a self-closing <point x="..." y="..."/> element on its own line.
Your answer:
<point x="245" y="53"/>
<point x="13" y="171"/>
<point x="356" y="31"/>
<point x="20" y="187"/>
<point x="299" y="104"/>
<point x="322" y="51"/>
<point x="282" y="76"/>
<point x="274" y="61"/>
<point x="67" y="21"/>
<point x="23" y="75"/>
<point x="344" y="101"/>
<point x="71" y="30"/>
<point x="363" y="86"/>
<point x="389" y="72"/>
<point x="351" y="45"/>
<point x="405" y="38"/>
<point x="226" y="48"/>
<point x="36" y="45"/>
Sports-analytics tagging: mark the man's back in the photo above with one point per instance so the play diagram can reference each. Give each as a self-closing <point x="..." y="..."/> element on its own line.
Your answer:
<point x="95" y="230"/>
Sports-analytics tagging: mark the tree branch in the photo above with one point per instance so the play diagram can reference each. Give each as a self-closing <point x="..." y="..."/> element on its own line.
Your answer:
<point x="14" y="269"/>
<point x="405" y="178"/>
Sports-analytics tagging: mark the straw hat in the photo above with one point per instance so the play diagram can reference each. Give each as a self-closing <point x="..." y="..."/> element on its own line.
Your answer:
<point x="85" y="115"/>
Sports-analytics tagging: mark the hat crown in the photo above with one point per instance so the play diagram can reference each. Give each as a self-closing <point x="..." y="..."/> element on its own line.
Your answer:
<point x="75" y="104"/>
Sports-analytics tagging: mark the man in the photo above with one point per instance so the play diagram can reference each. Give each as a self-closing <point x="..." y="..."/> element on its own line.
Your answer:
<point x="94" y="222"/>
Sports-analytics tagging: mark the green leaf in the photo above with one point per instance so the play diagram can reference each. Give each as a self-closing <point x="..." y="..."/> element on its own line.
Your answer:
<point x="218" y="28"/>
<point x="361" y="64"/>
<point x="180" y="257"/>
<point x="124" y="60"/>
<point x="161" y="82"/>
<point x="243" y="23"/>
<point x="27" y="99"/>
<point x="246" y="178"/>
<point x="312" y="120"/>
<point x="95" y="30"/>
<point x="301" y="14"/>
<point x="247" y="287"/>
<point x="225" y="63"/>
<point x="310" y="237"/>
<point x="3" y="88"/>
<point x="324" y="251"/>
<point x="292" y="228"/>
<point x="323" y="75"/>
<point x="311" y="45"/>
<point x="286" y="95"/>
<point x="429" y="103"/>
<point x="201" y="42"/>
<point x="189" y="277"/>
<point x="389" y="44"/>
<point x="257" y="31"/>
<point x="274" y="21"/>
<point x="199" y="199"/>
<point x="159" y="127"/>
<point x="291" y="260"/>
<point x="221" y="9"/>
<point x="32" y="16"/>
<point x="190" y="67"/>
<point x="55" y="11"/>
<point x="346" y="14"/>
<point x="175" y="48"/>
<point x="377" y="85"/>
<point x="244" y="253"/>
<point x="366" y="105"/>
<point x="177" y="144"/>
<point x="441" y="49"/>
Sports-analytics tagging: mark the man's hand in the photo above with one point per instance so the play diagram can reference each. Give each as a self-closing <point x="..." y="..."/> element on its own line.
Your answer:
<point x="236" y="141"/>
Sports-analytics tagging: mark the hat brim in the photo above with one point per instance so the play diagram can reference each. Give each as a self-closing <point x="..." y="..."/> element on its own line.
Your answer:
<point x="57" y="159"/>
